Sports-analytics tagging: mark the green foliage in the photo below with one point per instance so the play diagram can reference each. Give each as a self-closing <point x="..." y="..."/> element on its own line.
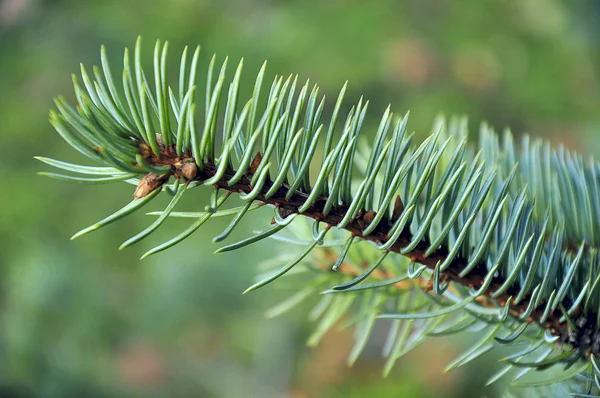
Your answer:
<point x="506" y="238"/>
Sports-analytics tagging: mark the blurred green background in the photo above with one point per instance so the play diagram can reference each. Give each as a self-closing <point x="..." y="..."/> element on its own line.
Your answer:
<point x="81" y="319"/>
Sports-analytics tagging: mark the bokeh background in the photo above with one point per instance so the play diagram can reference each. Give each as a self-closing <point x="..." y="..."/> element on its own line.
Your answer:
<point x="81" y="319"/>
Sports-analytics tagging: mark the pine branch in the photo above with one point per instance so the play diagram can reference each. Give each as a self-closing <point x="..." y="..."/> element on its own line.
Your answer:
<point x="290" y="204"/>
<point x="516" y="232"/>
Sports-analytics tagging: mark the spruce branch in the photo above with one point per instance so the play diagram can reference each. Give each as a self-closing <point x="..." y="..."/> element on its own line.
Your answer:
<point x="289" y="203"/>
<point x="507" y="237"/>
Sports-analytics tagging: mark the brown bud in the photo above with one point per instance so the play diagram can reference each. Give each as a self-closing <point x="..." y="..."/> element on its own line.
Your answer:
<point x="145" y="150"/>
<point x="159" y="141"/>
<point x="149" y="183"/>
<point x="189" y="170"/>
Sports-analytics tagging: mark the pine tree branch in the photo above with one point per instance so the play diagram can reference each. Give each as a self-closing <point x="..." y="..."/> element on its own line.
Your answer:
<point x="586" y="339"/>
<point x="516" y="231"/>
